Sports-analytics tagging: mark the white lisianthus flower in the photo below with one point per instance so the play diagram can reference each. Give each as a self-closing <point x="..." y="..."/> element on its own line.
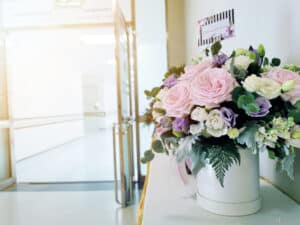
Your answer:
<point x="252" y="83"/>
<point x="265" y="87"/>
<point x="197" y="128"/>
<point x="199" y="114"/>
<point x="269" y="88"/>
<point x="241" y="62"/>
<point x="215" y="125"/>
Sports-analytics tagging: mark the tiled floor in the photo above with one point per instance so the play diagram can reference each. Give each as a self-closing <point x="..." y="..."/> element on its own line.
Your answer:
<point x="63" y="208"/>
<point x="87" y="159"/>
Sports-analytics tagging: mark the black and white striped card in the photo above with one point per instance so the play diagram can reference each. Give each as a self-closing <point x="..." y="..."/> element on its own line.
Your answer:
<point x="220" y="26"/>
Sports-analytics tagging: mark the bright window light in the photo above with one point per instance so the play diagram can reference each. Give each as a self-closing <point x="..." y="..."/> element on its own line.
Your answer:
<point x="68" y="3"/>
<point x="98" y="39"/>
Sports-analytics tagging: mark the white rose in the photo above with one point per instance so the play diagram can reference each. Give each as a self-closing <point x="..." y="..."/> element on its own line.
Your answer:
<point x="241" y="62"/>
<point x="199" y="114"/>
<point x="215" y="124"/>
<point x="197" y="128"/>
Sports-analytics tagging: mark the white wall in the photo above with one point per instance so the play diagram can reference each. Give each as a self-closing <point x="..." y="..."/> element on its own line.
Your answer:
<point x="151" y="54"/>
<point x="273" y="23"/>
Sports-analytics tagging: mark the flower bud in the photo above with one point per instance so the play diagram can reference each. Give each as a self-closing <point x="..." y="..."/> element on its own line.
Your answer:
<point x="288" y="85"/>
<point x="261" y="50"/>
<point x="233" y="133"/>
<point x="296" y="134"/>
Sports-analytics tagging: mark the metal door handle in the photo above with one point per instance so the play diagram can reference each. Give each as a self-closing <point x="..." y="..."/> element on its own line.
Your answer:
<point x="115" y="164"/>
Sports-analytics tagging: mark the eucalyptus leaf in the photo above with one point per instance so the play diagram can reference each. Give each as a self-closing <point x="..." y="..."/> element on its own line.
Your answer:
<point x="215" y="48"/>
<point x="275" y="62"/>
<point x="248" y="136"/>
<point x="287" y="165"/>
<point x="157" y="146"/>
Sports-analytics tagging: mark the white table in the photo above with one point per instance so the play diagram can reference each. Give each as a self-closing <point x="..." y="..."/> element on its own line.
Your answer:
<point x="165" y="203"/>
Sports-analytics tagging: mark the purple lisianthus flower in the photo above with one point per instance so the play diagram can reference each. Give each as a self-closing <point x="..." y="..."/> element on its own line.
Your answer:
<point x="219" y="60"/>
<point x="170" y="81"/>
<point x="166" y="122"/>
<point x="264" y="107"/>
<point x="229" y="116"/>
<point x="181" y="124"/>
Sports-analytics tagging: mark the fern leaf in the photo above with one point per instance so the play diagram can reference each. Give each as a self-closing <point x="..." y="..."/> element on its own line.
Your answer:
<point x="221" y="158"/>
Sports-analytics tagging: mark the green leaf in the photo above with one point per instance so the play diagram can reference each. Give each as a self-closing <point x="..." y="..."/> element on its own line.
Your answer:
<point x="271" y="154"/>
<point x="287" y="165"/>
<point x="147" y="93"/>
<point x="297" y="104"/>
<point x="155" y="91"/>
<point x="177" y="134"/>
<point x="252" y="108"/>
<point x="239" y="73"/>
<point x="251" y="55"/>
<point x="275" y="62"/>
<point x="148" y="156"/>
<point x="248" y="103"/>
<point x="236" y="93"/>
<point x="160" y="111"/>
<point x="222" y="157"/>
<point x="248" y="136"/>
<point x="215" y="48"/>
<point x="295" y="113"/>
<point x="157" y="146"/>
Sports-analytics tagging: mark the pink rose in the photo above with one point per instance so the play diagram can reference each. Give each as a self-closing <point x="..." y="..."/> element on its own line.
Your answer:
<point x="212" y="87"/>
<point x="281" y="76"/>
<point x="191" y="70"/>
<point x="177" y="101"/>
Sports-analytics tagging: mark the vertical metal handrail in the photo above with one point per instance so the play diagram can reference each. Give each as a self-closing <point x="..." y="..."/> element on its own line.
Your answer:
<point x="115" y="164"/>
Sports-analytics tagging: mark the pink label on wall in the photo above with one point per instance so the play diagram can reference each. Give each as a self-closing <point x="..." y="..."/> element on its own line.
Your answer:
<point x="217" y="27"/>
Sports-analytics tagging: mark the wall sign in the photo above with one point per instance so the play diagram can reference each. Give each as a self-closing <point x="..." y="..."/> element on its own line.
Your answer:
<point x="216" y="27"/>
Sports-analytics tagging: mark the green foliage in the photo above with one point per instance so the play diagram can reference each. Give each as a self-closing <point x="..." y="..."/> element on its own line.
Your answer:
<point x="248" y="136"/>
<point x="157" y="146"/>
<point x="152" y="93"/>
<point x="148" y="156"/>
<point x="177" y="134"/>
<point x="287" y="165"/>
<point x="239" y="73"/>
<point x="275" y="62"/>
<point x="293" y="68"/>
<point x="295" y="113"/>
<point x="254" y="68"/>
<point x="251" y="55"/>
<point x="159" y="110"/>
<point x="175" y="70"/>
<point x="247" y="102"/>
<point x="236" y="93"/>
<point x="266" y="61"/>
<point x="215" y="48"/>
<point x="271" y="154"/>
<point x="220" y="156"/>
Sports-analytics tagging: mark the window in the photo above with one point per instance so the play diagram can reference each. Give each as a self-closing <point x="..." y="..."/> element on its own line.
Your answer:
<point x="68" y="3"/>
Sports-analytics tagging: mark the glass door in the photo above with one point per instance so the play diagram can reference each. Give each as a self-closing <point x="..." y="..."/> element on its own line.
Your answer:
<point x="7" y="174"/>
<point x="124" y="171"/>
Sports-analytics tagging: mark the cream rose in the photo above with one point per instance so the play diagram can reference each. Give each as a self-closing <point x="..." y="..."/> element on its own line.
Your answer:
<point x="177" y="101"/>
<point x="215" y="124"/>
<point x="212" y="87"/>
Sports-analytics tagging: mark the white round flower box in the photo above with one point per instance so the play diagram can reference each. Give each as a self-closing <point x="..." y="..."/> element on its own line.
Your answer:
<point x="241" y="192"/>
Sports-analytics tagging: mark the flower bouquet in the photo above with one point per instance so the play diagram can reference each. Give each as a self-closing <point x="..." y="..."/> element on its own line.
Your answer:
<point x="219" y="113"/>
